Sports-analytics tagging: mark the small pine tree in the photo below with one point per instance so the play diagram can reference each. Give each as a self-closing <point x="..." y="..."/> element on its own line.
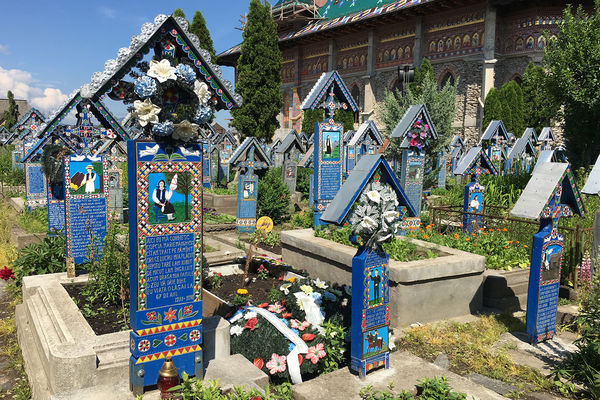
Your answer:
<point x="309" y="118"/>
<point x="259" y="75"/>
<point x="423" y="73"/>
<point x="178" y="13"/>
<point x="346" y="118"/>
<point x="273" y="196"/>
<point x="539" y="106"/>
<point x="511" y="99"/>
<point x="11" y="115"/>
<point x="492" y="108"/>
<point x="198" y="27"/>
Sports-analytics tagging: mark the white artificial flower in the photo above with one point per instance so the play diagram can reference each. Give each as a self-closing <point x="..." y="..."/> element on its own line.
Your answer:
<point x="320" y="284"/>
<point x="285" y="288"/>
<point x="374" y="196"/>
<point x="161" y="70"/>
<point x="201" y="90"/>
<point x="368" y="224"/>
<point x="250" y="315"/>
<point x="185" y="131"/>
<point x="236" y="330"/>
<point x="146" y="112"/>
<point x="390" y="216"/>
<point x="306" y="289"/>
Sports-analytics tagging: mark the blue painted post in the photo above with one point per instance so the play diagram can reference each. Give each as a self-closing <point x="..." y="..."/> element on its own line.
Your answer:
<point x="412" y="171"/>
<point x="544" y="275"/>
<point x="165" y="259"/>
<point x="246" y="202"/>
<point x="441" y="164"/>
<point x="370" y="311"/>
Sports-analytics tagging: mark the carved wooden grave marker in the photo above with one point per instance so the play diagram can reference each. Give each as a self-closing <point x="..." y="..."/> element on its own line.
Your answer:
<point x="415" y="130"/>
<point x="249" y="156"/>
<point x="366" y="140"/>
<point x="86" y="197"/>
<point x="550" y="194"/>
<point x="475" y="163"/>
<point x="373" y="202"/>
<point x="329" y="93"/>
<point x="165" y="239"/>
<point x="36" y="186"/>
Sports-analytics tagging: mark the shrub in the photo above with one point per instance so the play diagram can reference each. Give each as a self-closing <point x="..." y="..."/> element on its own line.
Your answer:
<point x="196" y="389"/>
<point x="429" y="389"/>
<point x="303" y="181"/>
<point x="45" y="257"/>
<point x="273" y="197"/>
<point x="303" y="219"/>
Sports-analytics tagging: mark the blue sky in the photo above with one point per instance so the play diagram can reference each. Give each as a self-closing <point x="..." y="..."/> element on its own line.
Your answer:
<point x="48" y="49"/>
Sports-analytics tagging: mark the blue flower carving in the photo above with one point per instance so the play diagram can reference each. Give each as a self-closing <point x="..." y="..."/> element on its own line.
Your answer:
<point x="163" y="128"/>
<point x="203" y="114"/>
<point x="145" y="87"/>
<point x="185" y="73"/>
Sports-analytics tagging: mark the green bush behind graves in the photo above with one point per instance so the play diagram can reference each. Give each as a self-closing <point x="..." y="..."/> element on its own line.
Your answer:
<point x="303" y="181"/>
<point x="273" y="197"/>
<point x="34" y="221"/>
<point x="45" y="257"/>
<point x="7" y="175"/>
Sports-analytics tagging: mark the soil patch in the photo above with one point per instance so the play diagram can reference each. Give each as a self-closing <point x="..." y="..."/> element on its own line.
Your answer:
<point x="102" y="318"/>
<point x="258" y="288"/>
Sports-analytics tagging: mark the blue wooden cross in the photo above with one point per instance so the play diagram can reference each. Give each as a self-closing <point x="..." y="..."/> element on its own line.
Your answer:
<point x="330" y="104"/>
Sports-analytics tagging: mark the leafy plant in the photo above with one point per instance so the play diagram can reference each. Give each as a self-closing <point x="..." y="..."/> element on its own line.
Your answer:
<point x="34" y="221"/>
<point x="262" y="272"/>
<point x="333" y="339"/>
<point x="303" y="219"/>
<point x="213" y="217"/>
<point x="303" y="181"/>
<point x="271" y="239"/>
<point x="273" y="196"/>
<point x="436" y="388"/>
<point x="196" y="389"/>
<point x="216" y="280"/>
<point x="45" y="257"/>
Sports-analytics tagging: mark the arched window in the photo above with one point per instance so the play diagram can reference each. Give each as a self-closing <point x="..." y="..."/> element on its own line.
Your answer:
<point x="457" y="43"/>
<point x="447" y="77"/>
<point x="407" y="51"/>
<point x="448" y="44"/>
<point x="475" y="40"/>
<point x="362" y="60"/>
<point x="400" y="53"/>
<point x="541" y="43"/>
<point x="519" y="44"/>
<point x="529" y="43"/>
<point x="386" y="56"/>
<point x="393" y="55"/>
<point x="432" y="47"/>
<point x="440" y="47"/>
<point x="467" y="40"/>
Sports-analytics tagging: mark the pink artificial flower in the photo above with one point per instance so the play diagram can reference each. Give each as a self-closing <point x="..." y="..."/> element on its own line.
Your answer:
<point x="315" y="353"/>
<point x="299" y="325"/>
<point x="251" y="323"/>
<point x="276" y="364"/>
<point x="276" y="308"/>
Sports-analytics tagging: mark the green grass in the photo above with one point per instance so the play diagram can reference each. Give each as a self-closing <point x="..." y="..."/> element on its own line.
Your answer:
<point x="469" y="349"/>
<point x="221" y="191"/>
<point x="179" y="214"/>
<point x="34" y="221"/>
<point x="213" y="219"/>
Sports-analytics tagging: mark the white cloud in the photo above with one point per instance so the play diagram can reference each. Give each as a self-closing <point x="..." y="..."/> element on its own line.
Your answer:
<point x="4" y="49"/>
<point x="107" y="12"/>
<point x="21" y="83"/>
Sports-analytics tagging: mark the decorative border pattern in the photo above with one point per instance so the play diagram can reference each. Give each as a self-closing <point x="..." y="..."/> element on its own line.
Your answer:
<point x="164" y="354"/>
<point x="165" y="328"/>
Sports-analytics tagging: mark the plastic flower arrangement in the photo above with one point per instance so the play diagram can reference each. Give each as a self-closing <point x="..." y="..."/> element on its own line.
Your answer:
<point x="307" y="316"/>
<point x="6" y="273"/>
<point x="375" y="218"/>
<point x="418" y="134"/>
<point x="168" y="100"/>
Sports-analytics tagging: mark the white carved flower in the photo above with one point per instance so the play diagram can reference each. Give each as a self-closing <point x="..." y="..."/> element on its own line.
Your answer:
<point x="374" y="196"/>
<point x="162" y="70"/>
<point x="201" y="90"/>
<point x="185" y="131"/>
<point x="236" y="330"/>
<point x="146" y="112"/>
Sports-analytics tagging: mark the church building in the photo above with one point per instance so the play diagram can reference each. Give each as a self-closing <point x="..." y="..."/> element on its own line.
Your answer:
<point x="374" y="44"/>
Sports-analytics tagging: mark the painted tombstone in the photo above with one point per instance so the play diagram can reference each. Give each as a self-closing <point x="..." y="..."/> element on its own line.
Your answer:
<point x="329" y="93"/>
<point x="475" y="163"/>
<point x="366" y="140"/>
<point x="290" y="172"/>
<point x="441" y="165"/>
<point x="165" y="238"/>
<point x="86" y="197"/>
<point x="35" y="186"/>
<point x="415" y="131"/>
<point x="16" y="157"/>
<point x="56" y="209"/>
<point x="249" y="156"/>
<point x="372" y="201"/>
<point x="495" y="140"/>
<point x="115" y="186"/>
<point x="550" y="194"/>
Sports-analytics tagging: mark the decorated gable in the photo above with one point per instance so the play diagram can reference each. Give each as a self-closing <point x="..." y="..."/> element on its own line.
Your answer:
<point x="415" y="129"/>
<point x="475" y="162"/>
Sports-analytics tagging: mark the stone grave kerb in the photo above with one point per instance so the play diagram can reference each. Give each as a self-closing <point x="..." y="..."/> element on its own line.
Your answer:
<point x="373" y="203"/>
<point x="329" y="93"/>
<point x="415" y="130"/>
<point x="475" y="163"/>
<point x="550" y="194"/>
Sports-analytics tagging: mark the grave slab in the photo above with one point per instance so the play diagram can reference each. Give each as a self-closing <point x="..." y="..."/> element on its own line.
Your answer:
<point x="236" y="370"/>
<point x="405" y="370"/>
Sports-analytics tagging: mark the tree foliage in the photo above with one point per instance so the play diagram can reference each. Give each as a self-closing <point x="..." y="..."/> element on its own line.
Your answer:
<point x="492" y="108"/>
<point x="259" y="75"/>
<point x="441" y="104"/>
<point x="11" y="115"/>
<point x="198" y="27"/>
<point x="511" y="99"/>
<point x="346" y="118"/>
<point x="539" y="106"/>
<point x="574" y="80"/>
<point x="309" y="118"/>
<point x="178" y="13"/>
<point x="273" y="196"/>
